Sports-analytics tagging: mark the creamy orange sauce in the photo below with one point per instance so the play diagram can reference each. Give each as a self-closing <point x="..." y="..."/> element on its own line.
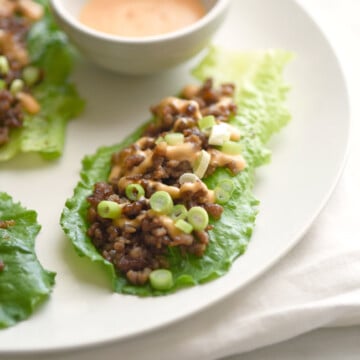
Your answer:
<point x="172" y="190"/>
<point x="168" y="223"/>
<point x="144" y="165"/>
<point x="175" y="233"/>
<point x="220" y="159"/>
<point x="209" y="195"/>
<point x="123" y="221"/>
<point x="140" y="18"/>
<point x="181" y="152"/>
<point x="180" y="105"/>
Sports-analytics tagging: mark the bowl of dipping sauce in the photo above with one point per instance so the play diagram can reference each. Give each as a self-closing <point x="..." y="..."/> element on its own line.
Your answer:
<point x="139" y="36"/>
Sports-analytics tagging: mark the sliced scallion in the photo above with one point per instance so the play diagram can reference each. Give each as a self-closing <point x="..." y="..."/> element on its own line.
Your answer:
<point x="174" y="138"/>
<point x="198" y="218"/>
<point x="159" y="140"/>
<point x="161" y="202"/>
<point x="222" y="196"/>
<point x="4" y="65"/>
<point x="134" y="192"/>
<point x="109" y="209"/>
<point x="16" y="86"/>
<point x="206" y="123"/>
<point x="31" y="75"/>
<point x="227" y="185"/>
<point x="184" y="226"/>
<point x="231" y="148"/>
<point x="201" y="164"/>
<point x="219" y="134"/>
<point x="161" y="279"/>
<point x="187" y="177"/>
<point x="178" y="212"/>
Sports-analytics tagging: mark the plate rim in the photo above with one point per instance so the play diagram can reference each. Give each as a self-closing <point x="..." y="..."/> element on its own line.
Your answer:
<point x="293" y="241"/>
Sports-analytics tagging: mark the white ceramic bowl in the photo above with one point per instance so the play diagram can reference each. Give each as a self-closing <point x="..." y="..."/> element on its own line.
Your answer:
<point x="139" y="55"/>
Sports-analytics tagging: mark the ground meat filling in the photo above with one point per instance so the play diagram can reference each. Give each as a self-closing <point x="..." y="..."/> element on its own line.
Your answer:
<point x="4" y="224"/>
<point x="16" y="17"/>
<point x="217" y="102"/>
<point x="138" y="241"/>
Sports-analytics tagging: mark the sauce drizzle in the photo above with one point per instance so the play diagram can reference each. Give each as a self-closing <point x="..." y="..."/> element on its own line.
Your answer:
<point x="140" y="18"/>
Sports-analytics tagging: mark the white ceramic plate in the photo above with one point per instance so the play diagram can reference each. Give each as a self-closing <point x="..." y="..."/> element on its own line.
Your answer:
<point x="308" y="157"/>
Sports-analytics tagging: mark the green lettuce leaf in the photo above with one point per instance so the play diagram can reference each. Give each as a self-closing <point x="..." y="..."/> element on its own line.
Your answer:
<point x="44" y="132"/>
<point x="260" y="99"/>
<point x="24" y="283"/>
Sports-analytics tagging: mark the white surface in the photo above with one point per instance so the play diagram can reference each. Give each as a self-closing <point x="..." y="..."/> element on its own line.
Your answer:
<point x="317" y="135"/>
<point x="340" y="21"/>
<point x="325" y="344"/>
<point x="347" y="227"/>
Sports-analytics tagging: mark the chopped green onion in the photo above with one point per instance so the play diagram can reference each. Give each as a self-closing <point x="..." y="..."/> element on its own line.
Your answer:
<point x="222" y="196"/>
<point x="2" y="84"/>
<point x="161" y="279"/>
<point x="159" y="140"/>
<point x="31" y="75"/>
<point x="227" y="185"/>
<point x="184" y="226"/>
<point x="201" y="164"/>
<point x="174" y="138"/>
<point x="206" y="123"/>
<point x="188" y="177"/>
<point x="134" y="192"/>
<point x="231" y="148"/>
<point x="198" y="218"/>
<point x="178" y="212"/>
<point x="109" y="209"/>
<point x="161" y="202"/>
<point x="219" y="134"/>
<point x="224" y="190"/>
<point x="4" y="65"/>
<point x="16" y="86"/>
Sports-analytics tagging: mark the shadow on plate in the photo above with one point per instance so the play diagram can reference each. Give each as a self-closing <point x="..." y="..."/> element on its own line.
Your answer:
<point x="84" y="270"/>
